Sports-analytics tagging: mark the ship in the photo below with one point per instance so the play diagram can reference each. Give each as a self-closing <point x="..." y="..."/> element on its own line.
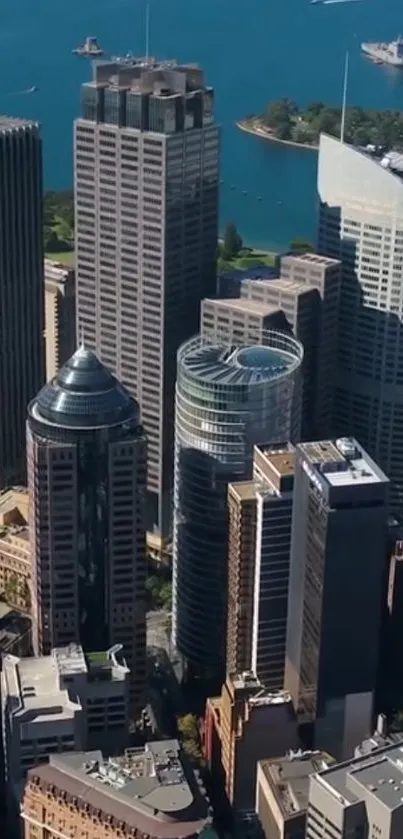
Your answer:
<point x="391" y="53"/>
<point x="90" y="48"/>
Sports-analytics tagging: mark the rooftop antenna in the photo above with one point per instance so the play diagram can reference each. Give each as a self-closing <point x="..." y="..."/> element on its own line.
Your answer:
<point x="343" y="110"/>
<point x="147" y="30"/>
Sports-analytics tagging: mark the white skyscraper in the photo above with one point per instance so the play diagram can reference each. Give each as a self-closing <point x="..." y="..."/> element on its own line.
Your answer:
<point x="361" y="222"/>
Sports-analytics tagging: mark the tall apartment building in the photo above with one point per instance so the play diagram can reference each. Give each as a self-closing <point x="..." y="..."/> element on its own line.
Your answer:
<point x="149" y="793"/>
<point x="22" y="357"/>
<point x="308" y="291"/>
<point x="15" y="549"/>
<point x="361" y="222"/>
<point x="259" y="542"/>
<point x="244" y="725"/>
<point x="87" y="460"/>
<point x="338" y="550"/>
<point x="61" y="702"/>
<point x="60" y="316"/>
<point x="146" y="205"/>
<point x="361" y="797"/>
<point x="282" y="792"/>
<point x="229" y="396"/>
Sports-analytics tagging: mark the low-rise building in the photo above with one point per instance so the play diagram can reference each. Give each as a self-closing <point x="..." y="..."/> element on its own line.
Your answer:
<point x="63" y="701"/>
<point x="282" y="791"/>
<point x="358" y="798"/>
<point x="247" y="723"/>
<point x="15" y="632"/>
<point x="149" y="793"/>
<point x="15" y="553"/>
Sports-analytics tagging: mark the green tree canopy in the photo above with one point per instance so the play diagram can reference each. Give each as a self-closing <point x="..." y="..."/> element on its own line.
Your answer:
<point x="232" y="242"/>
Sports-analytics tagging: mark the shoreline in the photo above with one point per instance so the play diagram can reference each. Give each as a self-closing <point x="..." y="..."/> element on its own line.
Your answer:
<point x="265" y="135"/>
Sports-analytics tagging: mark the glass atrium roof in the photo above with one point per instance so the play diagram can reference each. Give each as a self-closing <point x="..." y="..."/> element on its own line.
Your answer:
<point x="84" y="394"/>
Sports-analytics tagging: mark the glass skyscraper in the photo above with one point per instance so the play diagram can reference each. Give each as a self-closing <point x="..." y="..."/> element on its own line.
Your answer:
<point x="228" y="397"/>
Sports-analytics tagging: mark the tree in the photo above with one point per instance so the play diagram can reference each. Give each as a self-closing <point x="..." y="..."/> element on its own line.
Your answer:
<point x="301" y="246"/>
<point x="232" y="243"/>
<point x="188" y="727"/>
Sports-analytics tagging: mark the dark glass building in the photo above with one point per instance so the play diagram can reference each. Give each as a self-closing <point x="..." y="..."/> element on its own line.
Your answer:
<point x="338" y="550"/>
<point x="22" y="346"/>
<point x="87" y="458"/>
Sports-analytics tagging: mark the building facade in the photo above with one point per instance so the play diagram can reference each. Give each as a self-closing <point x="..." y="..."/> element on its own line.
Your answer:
<point x="282" y="791"/>
<point x="307" y="290"/>
<point x="15" y="549"/>
<point x="338" y="550"/>
<point x="87" y="460"/>
<point x="146" y="210"/>
<point x="61" y="702"/>
<point x="22" y="356"/>
<point x="260" y="512"/>
<point x="361" y="222"/>
<point x="144" y="793"/>
<point x="229" y="396"/>
<point x="244" y="725"/>
<point x="361" y="797"/>
<point x="60" y="316"/>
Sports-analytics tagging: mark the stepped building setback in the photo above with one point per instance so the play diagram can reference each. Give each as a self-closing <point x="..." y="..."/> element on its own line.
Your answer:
<point x="149" y="793"/>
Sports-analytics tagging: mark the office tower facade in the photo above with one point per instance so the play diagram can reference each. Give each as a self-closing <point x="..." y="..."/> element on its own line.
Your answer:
<point x="361" y="222"/>
<point x="60" y="316"/>
<point x="260" y="512"/>
<point x="358" y="798"/>
<point x="308" y="291"/>
<point x="142" y="793"/>
<point x="87" y="459"/>
<point x="22" y="356"/>
<point x="229" y="396"/>
<point x="243" y="725"/>
<point x="146" y="205"/>
<point x="243" y="320"/>
<point x="338" y="550"/>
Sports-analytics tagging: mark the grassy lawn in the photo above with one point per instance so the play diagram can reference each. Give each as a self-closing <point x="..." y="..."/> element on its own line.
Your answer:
<point x="65" y="257"/>
<point x="248" y="258"/>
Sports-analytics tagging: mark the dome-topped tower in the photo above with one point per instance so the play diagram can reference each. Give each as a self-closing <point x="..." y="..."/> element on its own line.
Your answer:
<point x="87" y="465"/>
<point x="84" y="394"/>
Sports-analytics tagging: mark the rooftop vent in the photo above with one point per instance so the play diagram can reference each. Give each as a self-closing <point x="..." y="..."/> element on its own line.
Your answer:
<point x="346" y="447"/>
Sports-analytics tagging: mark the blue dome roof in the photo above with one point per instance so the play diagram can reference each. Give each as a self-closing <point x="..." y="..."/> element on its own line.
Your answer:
<point x="84" y="394"/>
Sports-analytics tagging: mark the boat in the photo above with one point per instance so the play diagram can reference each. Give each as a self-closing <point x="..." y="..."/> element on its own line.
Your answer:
<point x="385" y="53"/>
<point x="33" y="89"/>
<point x="90" y="48"/>
<point x="330" y="2"/>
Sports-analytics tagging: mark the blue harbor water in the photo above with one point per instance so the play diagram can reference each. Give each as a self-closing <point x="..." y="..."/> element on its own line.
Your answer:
<point x="252" y="52"/>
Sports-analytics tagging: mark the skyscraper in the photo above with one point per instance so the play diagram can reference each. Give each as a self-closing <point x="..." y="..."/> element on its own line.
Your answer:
<point x="361" y="222"/>
<point x="338" y="550"/>
<point x="259" y="542"/>
<point x="87" y="477"/>
<point x="146" y="204"/>
<point x="22" y="350"/>
<point x="228" y="397"/>
<point x="60" y="319"/>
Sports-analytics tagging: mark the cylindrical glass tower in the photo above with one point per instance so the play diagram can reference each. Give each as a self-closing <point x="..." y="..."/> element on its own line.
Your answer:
<point x="228" y="398"/>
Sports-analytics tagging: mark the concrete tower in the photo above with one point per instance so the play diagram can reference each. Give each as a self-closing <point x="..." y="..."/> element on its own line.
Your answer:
<point x="146" y="209"/>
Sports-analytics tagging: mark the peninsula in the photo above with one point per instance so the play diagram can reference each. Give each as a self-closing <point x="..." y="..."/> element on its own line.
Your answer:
<point x="284" y="122"/>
